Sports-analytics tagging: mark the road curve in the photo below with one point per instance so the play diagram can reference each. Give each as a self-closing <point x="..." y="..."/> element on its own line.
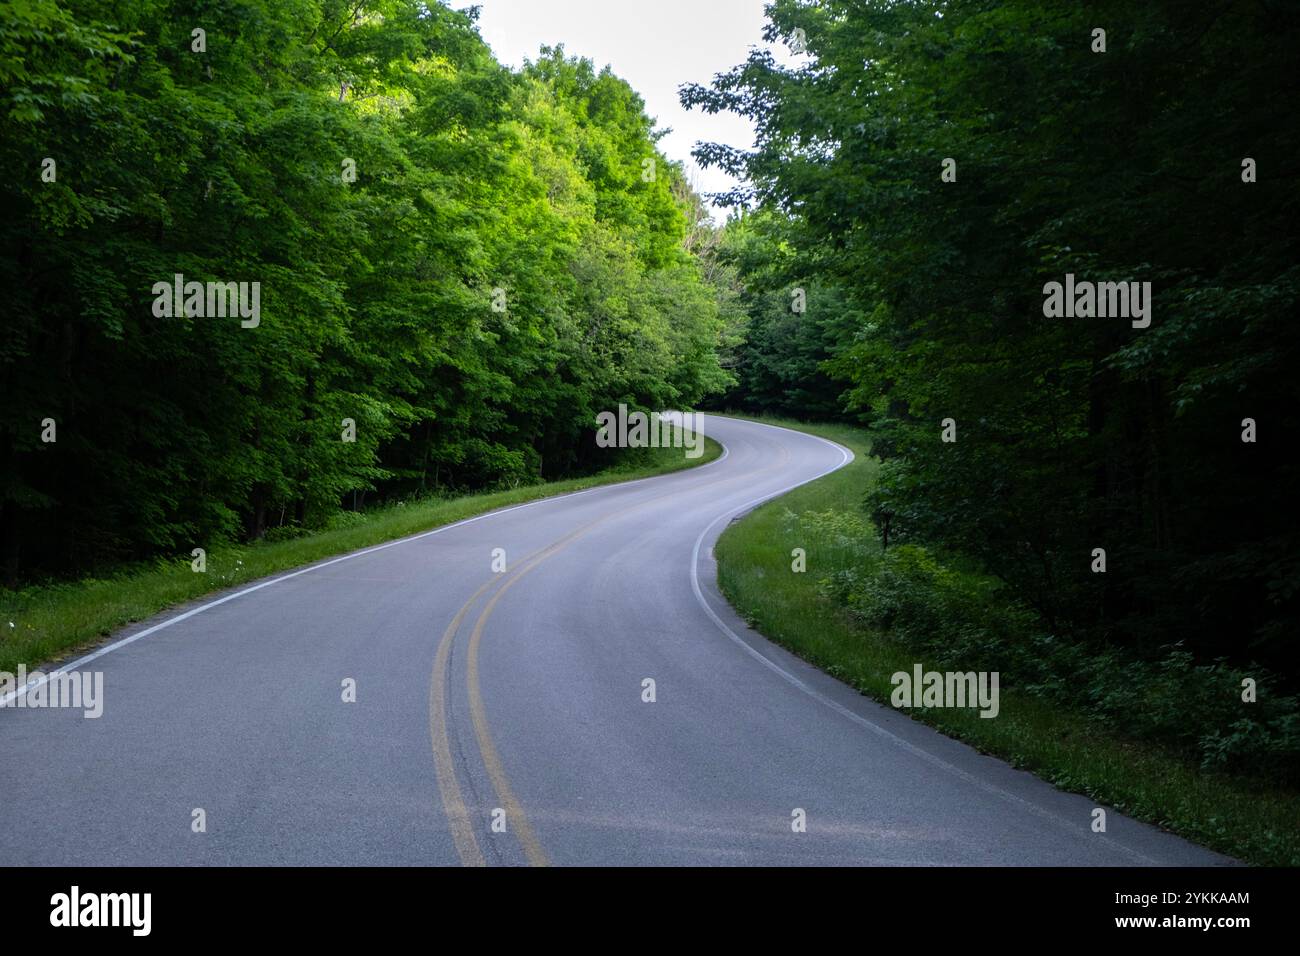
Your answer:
<point x="499" y="717"/>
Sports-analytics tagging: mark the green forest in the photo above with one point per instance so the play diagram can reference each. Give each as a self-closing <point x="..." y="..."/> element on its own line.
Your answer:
<point x="922" y="173"/>
<point x="459" y="264"/>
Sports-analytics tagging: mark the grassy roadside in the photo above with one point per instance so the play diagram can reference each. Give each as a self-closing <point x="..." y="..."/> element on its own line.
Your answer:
<point x="45" y="623"/>
<point x="1251" y="821"/>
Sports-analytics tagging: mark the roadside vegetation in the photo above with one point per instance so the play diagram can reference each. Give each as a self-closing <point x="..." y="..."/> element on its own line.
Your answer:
<point x="43" y="622"/>
<point x="454" y="266"/>
<point x="1094" y="497"/>
<point x="1137" y="736"/>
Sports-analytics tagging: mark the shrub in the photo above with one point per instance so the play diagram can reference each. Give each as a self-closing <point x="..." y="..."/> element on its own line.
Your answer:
<point x="962" y="620"/>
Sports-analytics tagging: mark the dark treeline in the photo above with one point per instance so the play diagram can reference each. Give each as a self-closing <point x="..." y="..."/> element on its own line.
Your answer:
<point x="1169" y="158"/>
<point x="456" y="263"/>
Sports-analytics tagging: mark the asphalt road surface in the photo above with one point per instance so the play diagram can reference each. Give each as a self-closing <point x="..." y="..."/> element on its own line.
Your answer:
<point x="499" y="717"/>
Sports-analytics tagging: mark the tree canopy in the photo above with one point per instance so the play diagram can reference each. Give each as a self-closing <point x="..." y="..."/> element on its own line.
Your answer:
<point x="458" y="265"/>
<point x="926" y="168"/>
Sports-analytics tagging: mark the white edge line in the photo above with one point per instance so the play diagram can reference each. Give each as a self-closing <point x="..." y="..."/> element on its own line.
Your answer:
<point x="109" y="648"/>
<point x="839" y="708"/>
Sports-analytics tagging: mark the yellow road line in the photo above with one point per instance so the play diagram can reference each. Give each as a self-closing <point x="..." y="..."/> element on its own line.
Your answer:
<point x="458" y="818"/>
<point x="491" y="759"/>
<point x="457" y="814"/>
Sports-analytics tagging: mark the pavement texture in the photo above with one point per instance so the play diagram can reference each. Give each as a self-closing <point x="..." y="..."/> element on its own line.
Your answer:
<point x="499" y="716"/>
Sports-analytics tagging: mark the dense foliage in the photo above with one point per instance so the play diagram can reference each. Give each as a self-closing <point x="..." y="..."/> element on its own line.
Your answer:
<point x="464" y="261"/>
<point x="796" y="317"/>
<point x="1072" y="434"/>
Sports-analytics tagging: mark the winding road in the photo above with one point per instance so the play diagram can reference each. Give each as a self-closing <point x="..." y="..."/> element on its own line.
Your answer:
<point x="499" y="717"/>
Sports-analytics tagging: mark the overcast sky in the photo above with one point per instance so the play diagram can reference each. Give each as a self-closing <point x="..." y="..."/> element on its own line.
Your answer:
<point x="656" y="45"/>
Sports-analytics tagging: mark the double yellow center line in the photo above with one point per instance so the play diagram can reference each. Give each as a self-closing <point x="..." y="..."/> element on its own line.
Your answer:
<point x="459" y="819"/>
<point x="458" y="816"/>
